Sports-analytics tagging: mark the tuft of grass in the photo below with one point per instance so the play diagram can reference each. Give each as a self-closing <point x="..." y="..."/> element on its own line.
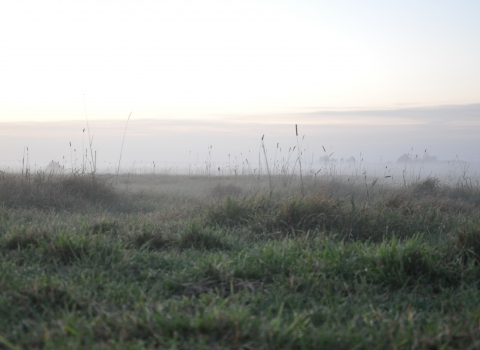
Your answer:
<point x="468" y="241"/>
<point x="22" y="238"/>
<point x="105" y="226"/>
<point x="401" y="265"/>
<point x="148" y="237"/>
<point x="225" y="189"/>
<point x="197" y="237"/>
<point x="306" y="212"/>
<point x="57" y="192"/>
<point x="429" y="186"/>
<point x="43" y="297"/>
<point x="400" y="215"/>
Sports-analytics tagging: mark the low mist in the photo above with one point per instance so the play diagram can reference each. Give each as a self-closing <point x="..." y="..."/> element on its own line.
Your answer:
<point x="434" y="137"/>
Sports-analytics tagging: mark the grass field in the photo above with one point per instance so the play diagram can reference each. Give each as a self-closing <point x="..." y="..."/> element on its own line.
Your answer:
<point x="237" y="263"/>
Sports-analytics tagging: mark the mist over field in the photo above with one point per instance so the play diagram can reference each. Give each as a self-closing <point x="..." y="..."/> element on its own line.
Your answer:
<point x="376" y="136"/>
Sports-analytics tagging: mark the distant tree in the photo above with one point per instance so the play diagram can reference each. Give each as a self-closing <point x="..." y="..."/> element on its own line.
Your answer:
<point x="405" y="158"/>
<point x="328" y="159"/>
<point x="429" y="159"/>
<point x="325" y="159"/>
<point x="350" y="160"/>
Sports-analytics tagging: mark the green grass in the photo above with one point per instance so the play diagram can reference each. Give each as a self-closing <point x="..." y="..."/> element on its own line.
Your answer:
<point x="342" y="267"/>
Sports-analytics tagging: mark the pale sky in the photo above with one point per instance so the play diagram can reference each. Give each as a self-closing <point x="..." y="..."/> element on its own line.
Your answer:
<point x="218" y="59"/>
<point x="372" y="79"/>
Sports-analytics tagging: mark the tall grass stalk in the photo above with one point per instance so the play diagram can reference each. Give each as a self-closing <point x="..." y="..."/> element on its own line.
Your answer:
<point x="90" y="140"/>
<point x="71" y="157"/>
<point x="299" y="161"/>
<point x="83" y="148"/>
<point x="23" y="161"/>
<point x="266" y="162"/>
<point x="275" y="160"/>
<point x="121" y="149"/>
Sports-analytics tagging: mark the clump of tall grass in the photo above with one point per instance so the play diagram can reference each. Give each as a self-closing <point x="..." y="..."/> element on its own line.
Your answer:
<point x="273" y="213"/>
<point x="225" y="189"/>
<point x="42" y="190"/>
<point x="22" y="238"/>
<point x="429" y="186"/>
<point x="148" y="239"/>
<point x="468" y="241"/>
<point x="383" y="214"/>
<point x="197" y="237"/>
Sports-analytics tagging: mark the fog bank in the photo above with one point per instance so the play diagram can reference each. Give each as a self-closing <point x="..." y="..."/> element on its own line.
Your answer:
<point x="376" y="136"/>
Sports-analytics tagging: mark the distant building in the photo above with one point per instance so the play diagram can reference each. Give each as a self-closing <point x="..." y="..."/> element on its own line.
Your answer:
<point x="54" y="168"/>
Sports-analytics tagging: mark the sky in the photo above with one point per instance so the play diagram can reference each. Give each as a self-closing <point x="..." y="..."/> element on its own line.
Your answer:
<point x="246" y="67"/>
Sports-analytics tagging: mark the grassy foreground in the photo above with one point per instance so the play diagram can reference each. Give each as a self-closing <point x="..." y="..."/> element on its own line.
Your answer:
<point x="343" y="266"/>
